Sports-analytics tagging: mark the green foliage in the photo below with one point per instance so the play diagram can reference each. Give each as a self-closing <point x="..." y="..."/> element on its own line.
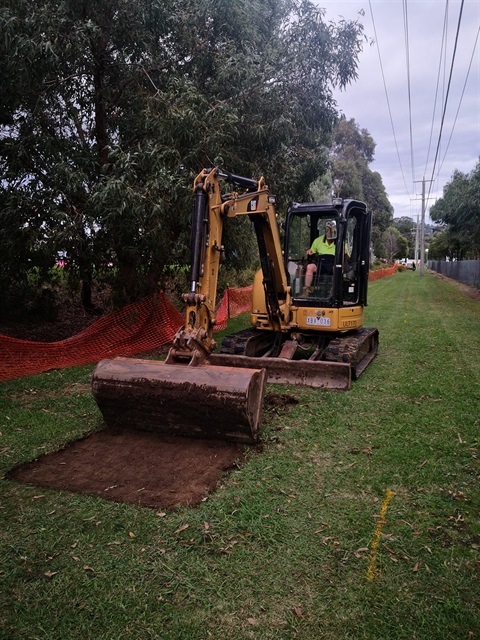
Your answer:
<point x="408" y="229"/>
<point x="447" y="244"/>
<point x="459" y="209"/>
<point x="396" y="245"/>
<point x="406" y="226"/>
<point x="111" y="108"/>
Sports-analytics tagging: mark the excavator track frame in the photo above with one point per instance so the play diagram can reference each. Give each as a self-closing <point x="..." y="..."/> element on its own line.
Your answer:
<point x="253" y="348"/>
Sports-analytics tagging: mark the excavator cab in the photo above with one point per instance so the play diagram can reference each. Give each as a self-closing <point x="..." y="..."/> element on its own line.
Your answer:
<point x="337" y="278"/>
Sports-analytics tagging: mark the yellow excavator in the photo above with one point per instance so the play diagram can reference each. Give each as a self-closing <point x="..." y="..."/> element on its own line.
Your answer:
<point x="306" y="322"/>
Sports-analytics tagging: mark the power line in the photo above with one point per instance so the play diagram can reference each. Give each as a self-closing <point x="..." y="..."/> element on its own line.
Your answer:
<point x="442" y="46"/>
<point x="460" y="102"/>
<point x="407" y="55"/>
<point x="446" y="97"/>
<point x="386" y="95"/>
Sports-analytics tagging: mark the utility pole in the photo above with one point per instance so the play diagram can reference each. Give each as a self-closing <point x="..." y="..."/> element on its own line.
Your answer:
<point x="422" y="228"/>
<point x="417" y="228"/>
<point x="422" y="231"/>
<point x="416" y="243"/>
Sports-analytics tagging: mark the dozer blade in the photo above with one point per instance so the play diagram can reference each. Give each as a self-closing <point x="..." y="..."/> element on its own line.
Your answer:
<point x="307" y="373"/>
<point x="175" y="399"/>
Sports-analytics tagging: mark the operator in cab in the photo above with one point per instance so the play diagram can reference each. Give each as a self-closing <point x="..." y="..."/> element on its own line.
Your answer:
<point x="323" y="248"/>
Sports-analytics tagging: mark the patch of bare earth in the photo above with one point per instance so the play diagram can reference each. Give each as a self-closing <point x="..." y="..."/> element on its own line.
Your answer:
<point x="140" y="467"/>
<point x="123" y="466"/>
<point x="135" y="466"/>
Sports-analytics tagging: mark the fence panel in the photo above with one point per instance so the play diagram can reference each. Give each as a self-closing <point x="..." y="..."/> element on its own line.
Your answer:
<point x="466" y="271"/>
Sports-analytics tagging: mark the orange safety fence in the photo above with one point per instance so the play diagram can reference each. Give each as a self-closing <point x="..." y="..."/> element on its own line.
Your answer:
<point x="381" y="273"/>
<point x="139" y="327"/>
<point x="234" y="303"/>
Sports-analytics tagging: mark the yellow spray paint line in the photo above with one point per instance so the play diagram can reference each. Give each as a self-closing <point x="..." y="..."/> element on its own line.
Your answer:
<point x="372" y="571"/>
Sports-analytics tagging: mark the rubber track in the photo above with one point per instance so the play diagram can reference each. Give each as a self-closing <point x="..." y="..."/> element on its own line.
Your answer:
<point x="352" y="348"/>
<point x="236" y="343"/>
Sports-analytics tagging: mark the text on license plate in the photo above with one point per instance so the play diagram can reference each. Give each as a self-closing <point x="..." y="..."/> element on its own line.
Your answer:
<point x="321" y="321"/>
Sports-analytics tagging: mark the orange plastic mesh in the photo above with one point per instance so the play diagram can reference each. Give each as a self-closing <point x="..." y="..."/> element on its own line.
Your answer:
<point x="381" y="273"/>
<point x="234" y="303"/>
<point x="138" y="327"/>
<point x="141" y="326"/>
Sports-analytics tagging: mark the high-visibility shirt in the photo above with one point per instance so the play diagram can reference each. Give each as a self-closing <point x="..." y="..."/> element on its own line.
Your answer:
<point x="320" y="246"/>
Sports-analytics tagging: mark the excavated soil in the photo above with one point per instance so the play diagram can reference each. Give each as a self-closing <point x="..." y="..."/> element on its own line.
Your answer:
<point x="135" y="466"/>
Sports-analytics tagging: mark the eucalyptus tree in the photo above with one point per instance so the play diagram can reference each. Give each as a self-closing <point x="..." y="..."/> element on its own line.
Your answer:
<point x="111" y="106"/>
<point x="266" y="71"/>
<point x="256" y="92"/>
<point x="76" y="76"/>
<point x="408" y="228"/>
<point x="396" y="245"/>
<point x="459" y="210"/>
<point x="352" y="152"/>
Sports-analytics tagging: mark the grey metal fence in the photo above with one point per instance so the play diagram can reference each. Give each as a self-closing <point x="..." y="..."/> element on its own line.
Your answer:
<point x="466" y="271"/>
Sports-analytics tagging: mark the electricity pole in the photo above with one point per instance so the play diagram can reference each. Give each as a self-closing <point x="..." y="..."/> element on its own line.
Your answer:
<point x="416" y="243"/>
<point x="422" y="228"/>
<point x="422" y="231"/>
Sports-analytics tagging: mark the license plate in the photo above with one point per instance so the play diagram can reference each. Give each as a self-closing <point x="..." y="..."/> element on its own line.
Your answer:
<point x="318" y="321"/>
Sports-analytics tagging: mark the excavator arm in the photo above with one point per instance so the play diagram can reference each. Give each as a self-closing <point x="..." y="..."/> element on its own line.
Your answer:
<point x="185" y="395"/>
<point x="194" y="341"/>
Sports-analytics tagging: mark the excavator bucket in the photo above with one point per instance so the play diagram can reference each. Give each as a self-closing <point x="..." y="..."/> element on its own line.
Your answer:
<point x="195" y="401"/>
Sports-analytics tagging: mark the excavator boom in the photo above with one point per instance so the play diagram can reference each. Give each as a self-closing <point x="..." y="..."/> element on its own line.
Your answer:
<point x="185" y="395"/>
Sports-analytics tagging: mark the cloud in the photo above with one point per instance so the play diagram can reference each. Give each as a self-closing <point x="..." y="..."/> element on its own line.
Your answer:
<point x="411" y="96"/>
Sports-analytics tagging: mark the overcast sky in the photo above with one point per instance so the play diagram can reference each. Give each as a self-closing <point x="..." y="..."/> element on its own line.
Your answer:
<point x="412" y="103"/>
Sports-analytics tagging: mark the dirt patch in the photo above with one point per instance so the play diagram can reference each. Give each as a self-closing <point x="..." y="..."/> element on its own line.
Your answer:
<point x="141" y="467"/>
<point x="135" y="466"/>
<point x="280" y="400"/>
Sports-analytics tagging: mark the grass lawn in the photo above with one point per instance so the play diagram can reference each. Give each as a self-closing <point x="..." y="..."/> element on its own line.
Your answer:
<point x="358" y="517"/>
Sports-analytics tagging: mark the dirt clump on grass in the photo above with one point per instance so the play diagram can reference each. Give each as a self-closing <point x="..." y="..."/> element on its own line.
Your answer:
<point x="135" y="466"/>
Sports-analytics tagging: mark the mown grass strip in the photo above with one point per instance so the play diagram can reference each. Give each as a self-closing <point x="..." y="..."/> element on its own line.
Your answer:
<point x="282" y="548"/>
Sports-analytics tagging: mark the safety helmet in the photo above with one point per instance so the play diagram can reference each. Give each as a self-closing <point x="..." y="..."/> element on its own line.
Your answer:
<point x="331" y="230"/>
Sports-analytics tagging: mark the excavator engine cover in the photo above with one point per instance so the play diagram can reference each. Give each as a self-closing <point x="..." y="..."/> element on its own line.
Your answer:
<point x="195" y="401"/>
